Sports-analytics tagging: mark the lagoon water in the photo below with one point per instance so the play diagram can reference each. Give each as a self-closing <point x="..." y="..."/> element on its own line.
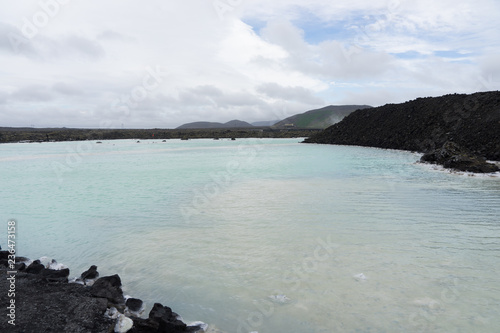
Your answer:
<point x="266" y="235"/>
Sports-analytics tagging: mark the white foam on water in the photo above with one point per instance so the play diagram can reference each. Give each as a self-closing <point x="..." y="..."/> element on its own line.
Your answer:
<point x="440" y="168"/>
<point x="203" y="326"/>
<point x="46" y="261"/>
<point x="360" y="277"/>
<point x="56" y="266"/>
<point x="426" y="302"/>
<point x="76" y="280"/>
<point x="280" y="299"/>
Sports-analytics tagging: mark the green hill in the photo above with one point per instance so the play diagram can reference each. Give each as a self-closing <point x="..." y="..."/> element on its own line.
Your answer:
<point x="320" y="118"/>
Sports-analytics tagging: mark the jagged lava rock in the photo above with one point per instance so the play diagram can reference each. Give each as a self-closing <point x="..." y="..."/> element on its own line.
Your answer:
<point x="43" y="306"/>
<point x="162" y="320"/>
<point x="451" y="155"/>
<point x="90" y="274"/>
<point x="134" y="304"/>
<point x="167" y="319"/>
<point x="4" y="255"/>
<point x="109" y="287"/>
<point x="423" y="125"/>
<point x="45" y="302"/>
<point x="35" y="267"/>
<point x="53" y="275"/>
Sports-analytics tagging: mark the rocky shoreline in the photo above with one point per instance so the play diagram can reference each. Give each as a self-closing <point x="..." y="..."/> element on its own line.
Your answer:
<point x="459" y="132"/>
<point x="452" y="156"/>
<point x="42" y="298"/>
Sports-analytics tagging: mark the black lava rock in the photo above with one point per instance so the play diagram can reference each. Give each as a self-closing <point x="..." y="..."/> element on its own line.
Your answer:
<point x="35" y="267"/>
<point x="21" y="259"/>
<point x="69" y="307"/>
<point x="167" y="320"/>
<point x="161" y="320"/>
<point x="53" y="275"/>
<point x="42" y="306"/>
<point x="109" y="287"/>
<point x="20" y="267"/>
<point x="451" y="155"/>
<point x="134" y="304"/>
<point x="144" y="326"/>
<point x="4" y="255"/>
<point x="90" y="274"/>
<point x="424" y="125"/>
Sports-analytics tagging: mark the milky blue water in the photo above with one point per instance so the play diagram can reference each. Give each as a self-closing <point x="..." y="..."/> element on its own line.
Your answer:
<point x="266" y="235"/>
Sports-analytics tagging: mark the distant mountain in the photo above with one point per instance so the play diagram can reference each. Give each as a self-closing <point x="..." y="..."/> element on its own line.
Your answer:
<point x="206" y="124"/>
<point x="265" y="123"/>
<point x="237" y="124"/>
<point x="201" y="124"/>
<point x="320" y="118"/>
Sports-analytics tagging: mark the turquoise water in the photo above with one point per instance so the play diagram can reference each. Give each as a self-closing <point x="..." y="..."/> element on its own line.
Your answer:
<point x="266" y="235"/>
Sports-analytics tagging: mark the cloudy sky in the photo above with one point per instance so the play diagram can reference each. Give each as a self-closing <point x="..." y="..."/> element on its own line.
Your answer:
<point x="158" y="63"/>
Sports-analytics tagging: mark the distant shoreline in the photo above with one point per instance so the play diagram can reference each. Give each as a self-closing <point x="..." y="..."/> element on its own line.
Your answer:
<point x="12" y="134"/>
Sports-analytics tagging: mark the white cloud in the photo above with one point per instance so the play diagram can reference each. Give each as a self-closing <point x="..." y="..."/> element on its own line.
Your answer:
<point x="299" y="94"/>
<point x="68" y="63"/>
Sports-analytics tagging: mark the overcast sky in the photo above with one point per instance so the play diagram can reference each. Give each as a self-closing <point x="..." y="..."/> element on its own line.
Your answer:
<point x="159" y="63"/>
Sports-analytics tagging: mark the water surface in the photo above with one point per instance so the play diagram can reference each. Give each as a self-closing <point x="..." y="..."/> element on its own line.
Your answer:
<point x="266" y="235"/>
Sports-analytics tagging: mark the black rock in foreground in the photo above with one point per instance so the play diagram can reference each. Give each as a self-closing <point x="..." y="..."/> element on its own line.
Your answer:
<point x="45" y="302"/>
<point x="109" y="287"/>
<point x="41" y="306"/>
<point x="424" y="125"/>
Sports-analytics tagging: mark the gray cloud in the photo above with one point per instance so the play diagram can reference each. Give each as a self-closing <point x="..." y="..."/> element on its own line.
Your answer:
<point x="45" y="48"/>
<point x="207" y="90"/>
<point x="13" y="41"/>
<point x="32" y="93"/>
<point x="238" y="99"/>
<point x="111" y="35"/>
<point x="6" y="31"/>
<point x="66" y="89"/>
<point x="3" y="97"/>
<point x="212" y="96"/>
<point x="82" y="46"/>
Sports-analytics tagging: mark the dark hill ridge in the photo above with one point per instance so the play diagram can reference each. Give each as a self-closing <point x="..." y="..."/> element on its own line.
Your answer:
<point x="206" y="124"/>
<point x="320" y="118"/>
<point x="424" y="125"/>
